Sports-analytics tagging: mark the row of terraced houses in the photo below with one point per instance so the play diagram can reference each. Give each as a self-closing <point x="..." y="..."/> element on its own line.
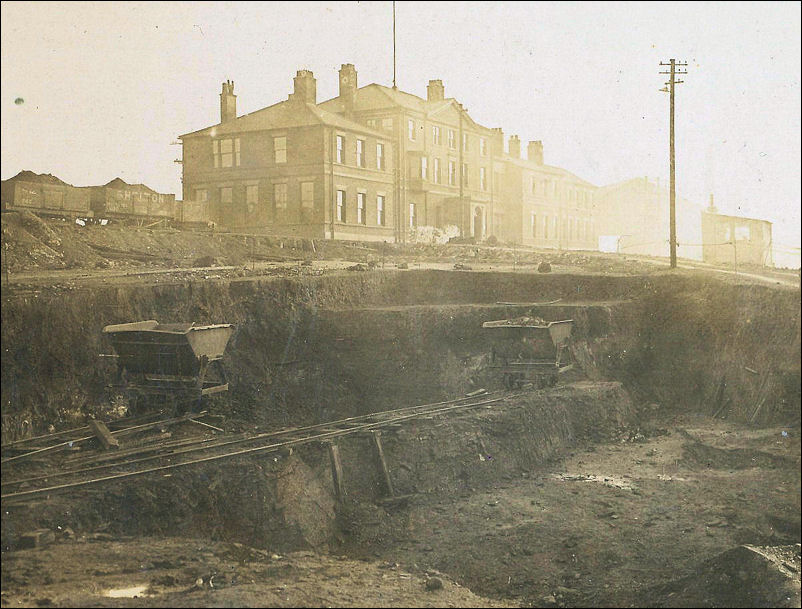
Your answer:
<point x="379" y="164"/>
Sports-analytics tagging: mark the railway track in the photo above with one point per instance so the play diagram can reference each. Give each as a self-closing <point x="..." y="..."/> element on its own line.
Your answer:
<point x="21" y="484"/>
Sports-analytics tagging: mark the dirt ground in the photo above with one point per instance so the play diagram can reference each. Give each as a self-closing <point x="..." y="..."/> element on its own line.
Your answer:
<point x="58" y="254"/>
<point x="685" y="511"/>
<point x="643" y="521"/>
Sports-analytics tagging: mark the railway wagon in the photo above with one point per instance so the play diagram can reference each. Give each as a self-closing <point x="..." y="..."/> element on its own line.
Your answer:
<point x="172" y="364"/>
<point x="529" y="350"/>
<point x="45" y="195"/>
<point x="192" y="213"/>
<point x="119" y="200"/>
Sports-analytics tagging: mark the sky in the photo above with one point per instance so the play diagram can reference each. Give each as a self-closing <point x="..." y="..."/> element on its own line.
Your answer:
<point x="92" y="91"/>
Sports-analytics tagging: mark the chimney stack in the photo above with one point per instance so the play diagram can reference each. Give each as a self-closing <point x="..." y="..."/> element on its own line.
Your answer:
<point x="712" y="208"/>
<point x="305" y="87"/>
<point x="497" y="142"/>
<point x="228" y="102"/>
<point x="435" y="91"/>
<point x="534" y="152"/>
<point x="515" y="147"/>
<point x="348" y="85"/>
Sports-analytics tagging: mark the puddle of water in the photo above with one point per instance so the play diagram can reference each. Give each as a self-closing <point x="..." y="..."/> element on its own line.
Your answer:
<point x="131" y="592"/>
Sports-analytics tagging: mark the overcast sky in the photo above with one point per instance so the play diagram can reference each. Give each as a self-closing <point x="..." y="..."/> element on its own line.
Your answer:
<point x="91" y="91"/>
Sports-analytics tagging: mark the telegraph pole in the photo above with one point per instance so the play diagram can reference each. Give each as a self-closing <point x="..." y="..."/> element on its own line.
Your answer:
<point x="673" y="72"/>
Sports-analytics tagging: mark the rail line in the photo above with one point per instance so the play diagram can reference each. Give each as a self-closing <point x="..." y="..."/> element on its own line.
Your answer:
<point x="320" y="432"/>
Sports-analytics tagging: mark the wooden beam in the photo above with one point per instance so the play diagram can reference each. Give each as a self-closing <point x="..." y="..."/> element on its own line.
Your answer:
<point x="103" y="434"/>
<point x="381" y="462"/>
<point x="336" y="471"/>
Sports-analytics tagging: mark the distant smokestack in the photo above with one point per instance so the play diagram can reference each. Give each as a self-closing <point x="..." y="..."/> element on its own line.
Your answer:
<point x="712" y="208"/>
<point x="435" y="91"/>
<point x="228" y="102"/>
<point x="348" y="85"/>
<point x="305" y="87"/>
<point x="515" y="147"/>
<point x="534" y="152"/>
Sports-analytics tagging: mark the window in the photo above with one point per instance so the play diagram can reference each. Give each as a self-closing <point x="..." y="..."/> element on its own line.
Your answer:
<point x="451" y="141"/>
<point x="373" y="123"/>
<point x="742" y="233"/>
<point x="201" y="194"/>
<point x="465" y="142"/>
<point x="307" y="195"/>
<point x="436" y="135"/>
<point x="226" y="152"/>
<point x="424" y="168"/>
<point x="251" y="197"/>
<point x="380" y="210"/>
<point x="452" y="173"/>
<point x="545" y="227"/>
<point x="413" y="220"/>
<point x="380" y="156"/>
<point x="341" y="149"/>
<point x="226" y="196"/>
<point x="280" y="149"/>
<point x="482" y="146"/>
<point x="387" y="124"/>
<point x="341" y="206"/>
<point x="532" y="185"/>
<point x="360" y="207"/>
<point x="482" y="178"/>
<point x="411" y="129"/>
<point x="280" y="195"/>
<point x="360" y="153"/>
<point x="436" y="171"/>
<point x="533" y="223"/>
<point x="465" y="174"/>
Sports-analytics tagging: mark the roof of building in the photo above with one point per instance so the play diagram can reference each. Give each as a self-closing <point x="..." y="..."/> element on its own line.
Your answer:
<point x="375" y="97"/>
<point x="284" y="115"/>
<point x="559" y="171"/>
<point x="737" y="218"/>
<point x="38" y="178"/>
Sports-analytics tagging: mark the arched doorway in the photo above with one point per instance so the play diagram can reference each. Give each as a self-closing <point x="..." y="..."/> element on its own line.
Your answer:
<point x="478" y="223"/>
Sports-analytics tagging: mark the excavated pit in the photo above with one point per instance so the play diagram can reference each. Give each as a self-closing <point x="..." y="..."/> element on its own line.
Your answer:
<point x="317" y="349"/>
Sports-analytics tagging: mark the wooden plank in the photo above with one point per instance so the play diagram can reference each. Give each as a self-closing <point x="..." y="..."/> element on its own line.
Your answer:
<point x="336" y="470"/>
<point x="382" y="464"/>
<point x="103" y="434"/>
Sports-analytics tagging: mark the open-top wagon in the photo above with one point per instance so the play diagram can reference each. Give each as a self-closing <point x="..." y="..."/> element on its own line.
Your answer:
<point x="529" y="350"/>
<point x="174" y="363"/>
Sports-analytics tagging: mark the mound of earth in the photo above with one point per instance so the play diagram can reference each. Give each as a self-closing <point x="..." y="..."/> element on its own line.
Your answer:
<point x="746" y="576"/>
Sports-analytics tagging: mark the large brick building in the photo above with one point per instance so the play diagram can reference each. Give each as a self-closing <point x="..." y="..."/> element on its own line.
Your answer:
<point x="444" y="176"/>
<point x="293" y="167"/>
<point x="377" y="163"/>
<point x="542" y="205"/>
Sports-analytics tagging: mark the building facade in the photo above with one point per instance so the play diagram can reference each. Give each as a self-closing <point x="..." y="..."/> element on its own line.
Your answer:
<point x="293" y="168"/>
<point x="734" y="240"/>
<point x="543" y="205"/>
<point x="377" y="163"/>
<point x="445" y="159"/>
<point x="632" y="217"/>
